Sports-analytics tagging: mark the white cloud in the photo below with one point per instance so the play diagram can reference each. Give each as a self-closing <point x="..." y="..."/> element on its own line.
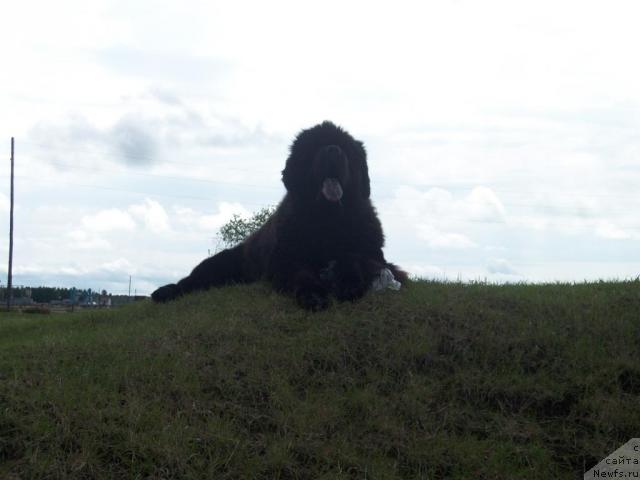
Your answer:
<point x="152" y="214"/>
<point x="210" y="222"/>
<point x="501" y="266"/>
<point x="589" y="219"/>
<point x="482" y="204"/>
<point x="118" y="265"/>
<point x="609" y="230"/>
<point x="85" y="241"/>
<point x="109" y="220"/>
<point x="441" y="218"/>
<point x="436" y="238"/>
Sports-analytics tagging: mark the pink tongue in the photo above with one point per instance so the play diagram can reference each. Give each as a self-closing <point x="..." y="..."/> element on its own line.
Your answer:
<point x="331" y="189"/>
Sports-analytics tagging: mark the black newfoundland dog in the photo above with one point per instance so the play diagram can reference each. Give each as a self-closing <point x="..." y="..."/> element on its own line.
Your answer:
<point x="324" y="238"/>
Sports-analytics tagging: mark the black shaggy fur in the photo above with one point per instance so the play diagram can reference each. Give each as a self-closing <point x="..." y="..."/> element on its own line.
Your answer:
<point x="324" y="238"/>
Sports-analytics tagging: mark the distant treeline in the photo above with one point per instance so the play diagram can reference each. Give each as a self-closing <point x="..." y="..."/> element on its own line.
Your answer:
<point x="48" y="294"/>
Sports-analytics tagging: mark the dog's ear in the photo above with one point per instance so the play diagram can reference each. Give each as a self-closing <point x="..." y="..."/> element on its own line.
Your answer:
<point x="296" y="171"/>
<point x="293" y="175"/>
<point x="364" y="169"/>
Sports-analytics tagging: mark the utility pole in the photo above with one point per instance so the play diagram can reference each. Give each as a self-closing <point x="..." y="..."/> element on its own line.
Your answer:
<point x="129" y="285"/>
<point x="9" y="273"/>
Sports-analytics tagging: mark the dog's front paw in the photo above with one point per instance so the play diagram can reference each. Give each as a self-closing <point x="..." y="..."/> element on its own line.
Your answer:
<point x="350" y="290"/>
<point x="313" y="300"/>
<point x="349" y="283"/>
<point x="166" y="293"/>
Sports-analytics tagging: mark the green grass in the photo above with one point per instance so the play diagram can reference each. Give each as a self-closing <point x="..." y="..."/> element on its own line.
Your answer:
<point x="435" y="381"/>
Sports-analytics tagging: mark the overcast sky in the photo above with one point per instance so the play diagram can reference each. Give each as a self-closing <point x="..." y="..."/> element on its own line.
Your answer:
<point x="503" y="136"/>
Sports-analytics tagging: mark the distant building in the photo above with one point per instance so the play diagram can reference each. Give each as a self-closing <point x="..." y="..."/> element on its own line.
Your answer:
<point x="105" y="299"/>
<point x="21" y="301"/>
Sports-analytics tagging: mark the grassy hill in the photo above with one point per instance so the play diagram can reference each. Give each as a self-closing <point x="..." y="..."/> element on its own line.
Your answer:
<point x="435" y="381"/>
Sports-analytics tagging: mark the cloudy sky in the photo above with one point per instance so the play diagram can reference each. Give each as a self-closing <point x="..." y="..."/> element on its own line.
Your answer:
<point x="503" y="137"/>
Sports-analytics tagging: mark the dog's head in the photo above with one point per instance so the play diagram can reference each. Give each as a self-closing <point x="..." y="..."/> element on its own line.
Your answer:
<point x="327" y="165"/>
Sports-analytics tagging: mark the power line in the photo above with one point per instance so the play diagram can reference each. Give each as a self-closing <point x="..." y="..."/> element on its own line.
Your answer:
<point x="446" y="184"/>
<point x="432" y="216"/>
<point x="460" y="183"/>
<point x="503" y="192"/>
<point x="554" y="208"/>
<point x="120" y="155"/>
<point x="126" y="190"/>
<point x="155" y="175"/>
